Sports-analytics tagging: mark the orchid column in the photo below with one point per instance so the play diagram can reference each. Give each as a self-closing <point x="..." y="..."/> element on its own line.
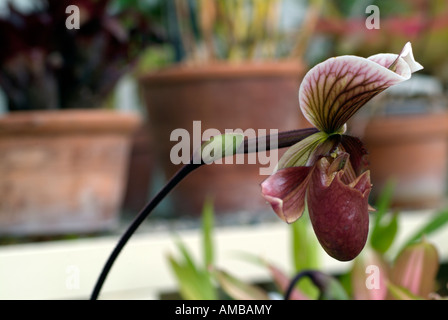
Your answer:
<point x="327" y="171"/>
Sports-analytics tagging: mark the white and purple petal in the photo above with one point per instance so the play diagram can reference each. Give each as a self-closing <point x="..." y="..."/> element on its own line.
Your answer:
<point x="334" y="90"/>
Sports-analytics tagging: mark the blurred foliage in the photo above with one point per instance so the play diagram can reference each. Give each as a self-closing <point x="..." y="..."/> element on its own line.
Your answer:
<point x="195" y="281"/>
<point x="385" y="225"/>
<point x="305" y="252"/>
<point x="409" y="273"/>
<point x="49" y="66"/>
<point x="422" y="22"/>
<point x="415" y="257"/>
<point x="203" y="31"/>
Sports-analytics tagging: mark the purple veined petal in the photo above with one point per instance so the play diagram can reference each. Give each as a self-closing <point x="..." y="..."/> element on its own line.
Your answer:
<point x="285" y="190"/>
<point x="332" y="91"/>
<point x="338" y="212"/>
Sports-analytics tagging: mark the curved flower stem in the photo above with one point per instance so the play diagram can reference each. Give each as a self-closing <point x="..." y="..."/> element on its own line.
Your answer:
<point x="329" y="287"/>
<point x="182" y="173"/>
<point x="292" y="284"/>
<point x="285" y="139"/>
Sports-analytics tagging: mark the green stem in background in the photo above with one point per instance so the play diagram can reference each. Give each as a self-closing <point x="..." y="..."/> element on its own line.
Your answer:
<point x="329" y="287"/>
<point x="207" y="17"/>
<point x="185" y="28"/>
<point x="284" y="139"/>
<point x="308" y="26"/>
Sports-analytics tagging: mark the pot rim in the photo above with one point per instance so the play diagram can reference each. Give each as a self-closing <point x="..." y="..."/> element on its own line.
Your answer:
<point x="68" y="121"/>
<point x="395" y="128"/>
<point x="224" y="70"/>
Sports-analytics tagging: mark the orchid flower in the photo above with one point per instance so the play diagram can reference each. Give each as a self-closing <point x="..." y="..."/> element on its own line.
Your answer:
<point x="327" y="170"/>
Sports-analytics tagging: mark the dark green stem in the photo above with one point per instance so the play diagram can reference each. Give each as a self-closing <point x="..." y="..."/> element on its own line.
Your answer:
<point x="284" y="139"/>
<point x="292" y="284"/>
<point x="321" y="280"/>
<point x="182" y="173"/>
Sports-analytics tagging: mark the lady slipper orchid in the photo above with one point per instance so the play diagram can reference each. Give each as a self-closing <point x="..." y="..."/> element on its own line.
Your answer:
<point x="327" y="171"/>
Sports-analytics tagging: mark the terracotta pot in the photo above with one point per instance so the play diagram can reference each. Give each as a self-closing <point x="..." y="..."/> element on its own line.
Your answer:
<point x="63" y="171"/>
<point x="412" y="150"/>
<point x="221" y="96"/>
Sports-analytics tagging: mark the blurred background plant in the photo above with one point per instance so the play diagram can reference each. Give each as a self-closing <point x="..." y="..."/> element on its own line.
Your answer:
<point x="59" y="56"/>
<point x="387" y="269"/>
<point x="208" y="282"/>
<point x="422" y="22"/>
<point x="49" y="66"/>
<point x="233" y="30"/>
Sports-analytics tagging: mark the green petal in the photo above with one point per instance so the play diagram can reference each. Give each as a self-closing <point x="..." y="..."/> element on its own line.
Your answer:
<point x="298" y="154"/>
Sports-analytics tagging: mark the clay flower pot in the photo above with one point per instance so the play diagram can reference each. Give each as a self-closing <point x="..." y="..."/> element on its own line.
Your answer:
<point x="412" y="150"/>
<point x="405" y="131"/>
<point x="221" y="96"/>
<point x="63" y="171"/>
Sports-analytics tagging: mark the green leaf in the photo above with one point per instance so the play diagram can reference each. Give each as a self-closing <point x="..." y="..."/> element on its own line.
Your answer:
<point x="207" y="232"/>
<point x="334" y="291"/>
<point x="400" y="293"/>
<point x="189" y="262"/>
<point x="384" y="234"/>
<point x="192" y="285"/>
<point x="384" y="200"/>
<point x="330" y="288"/>
<point x="238" y="289"/>
<point x="183" y="277"/>
<point x="440" y="219"/>
<point x="304" y="244"/>
<point x="305" y="252"/>
<point x="385" y="225"/>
